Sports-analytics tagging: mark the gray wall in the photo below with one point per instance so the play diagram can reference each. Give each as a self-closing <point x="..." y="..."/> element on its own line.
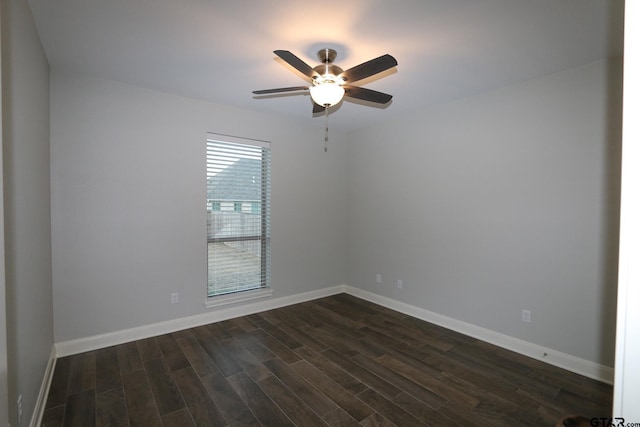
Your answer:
<point x="27" y="224"/>
<point x="4" y="364"/>
<point x="498" y="203"/>
<point x="129" y="203"/>
<point x="483" y="207"/>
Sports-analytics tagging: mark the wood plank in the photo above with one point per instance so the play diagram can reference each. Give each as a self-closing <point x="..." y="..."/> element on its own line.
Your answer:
<point x="107" y="370"/>
<point x="428" y="331"/>
<point x="129" y="357"/>
<point x="148" y="349"/>
<point x="317" y="401"/>
<point x="551" y="415"/>
<point x="172" y="352"/>
<point x="181" y="333"/>
<point x="201" y="407"/>
<point x="352" y="315"/>
<point x="275" y="347"/>
<point x="372" y="308"/>
<point x="366" y="376"/>
<point x="479" y="377"/>
<point x="196" y="355"/>
<point x="278" y="333"/>
<point x="290" y="404"/>
<point x="141" y="406"/>
<point x="254" y="345"/>
<point x="463" y="416"/>
<point x="59" y="383"/>
<point x="339" y="375"/>
<point x="425" y="414"/>
<point x="266" y="411"/>
<point x="580" y="405"/>
<point x="243" y="323"/>
<point x="388" y="409"/>
<point x="165" y="391"/>
<point x="246" y="360"/>
<point x="437" y="386"/>
<point x="456" y="337"/>
<point x="82" y="373"/>
<point x="216" y="351"/>
<point x="465" y="355"/>
<point x="220" y="331"/>
<point x="499" y="414"/>
<point x="376" y="420"/>
<point x="290" y="326"/>
<point x="339" y="418"/>
<point x="181" y="418"/>
<point x="540" y="394"/>
<point x="80" y="409"/>
<point x="54" y="416"/>
<point x="340" y="342"/>
<point x="347" y="401"/>
<point x="509" y="403"/>
<point x="583" y="386"/>
<point x="303" y="315"/>
<point x="516" y="408"/>
<point x="111" y="408"/>
<point x="425" y="395"/>
<point x="233" y="408"/>
<point x="332" y="320"/>
<point x="397" y="348"/>
<point x="491" y="362"/>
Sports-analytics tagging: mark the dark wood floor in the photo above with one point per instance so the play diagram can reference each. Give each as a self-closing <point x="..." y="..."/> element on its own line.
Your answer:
<point x="337" y="361"/>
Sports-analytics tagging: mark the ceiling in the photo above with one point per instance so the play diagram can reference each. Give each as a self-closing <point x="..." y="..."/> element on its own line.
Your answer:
<point x="221" y="50"/>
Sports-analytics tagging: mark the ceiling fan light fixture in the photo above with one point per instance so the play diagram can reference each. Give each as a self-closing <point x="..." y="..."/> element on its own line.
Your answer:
<point x="326" y="93"/>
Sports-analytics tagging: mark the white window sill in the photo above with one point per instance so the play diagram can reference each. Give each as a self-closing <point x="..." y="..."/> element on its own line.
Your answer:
<point x="237" y="297"/>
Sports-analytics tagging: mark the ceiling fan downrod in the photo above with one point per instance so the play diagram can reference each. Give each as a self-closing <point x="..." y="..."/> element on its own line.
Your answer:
<point x="326" y="127"/>
<point x="326" y="56"/>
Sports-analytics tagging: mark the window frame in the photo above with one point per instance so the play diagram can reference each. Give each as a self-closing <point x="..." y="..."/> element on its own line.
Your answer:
<point x="264" y="236"/>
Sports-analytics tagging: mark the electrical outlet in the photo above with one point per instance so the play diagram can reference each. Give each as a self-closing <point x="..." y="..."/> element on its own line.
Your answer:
<point x="399" y="284"/>
<point x="526" y="316"/>
<point x="175" y="298"/>
<point x="378" y="278"/>
<point x="20" y="410"/>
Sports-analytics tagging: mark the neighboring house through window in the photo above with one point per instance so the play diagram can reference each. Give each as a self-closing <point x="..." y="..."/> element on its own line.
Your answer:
<point x="238" y="215"/>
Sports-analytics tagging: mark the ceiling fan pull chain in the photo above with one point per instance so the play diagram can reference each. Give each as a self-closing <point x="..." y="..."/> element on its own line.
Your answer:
<point x="326" y="127"/>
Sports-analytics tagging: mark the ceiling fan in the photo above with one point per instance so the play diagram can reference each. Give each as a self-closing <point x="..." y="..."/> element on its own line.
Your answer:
<point x="329" y="83"/>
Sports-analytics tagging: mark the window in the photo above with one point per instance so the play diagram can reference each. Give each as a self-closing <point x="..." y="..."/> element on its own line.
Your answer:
<point x="238" y="215"/>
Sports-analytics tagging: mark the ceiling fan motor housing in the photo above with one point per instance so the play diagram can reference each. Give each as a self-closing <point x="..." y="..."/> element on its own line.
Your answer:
<point x="327" y="70"/>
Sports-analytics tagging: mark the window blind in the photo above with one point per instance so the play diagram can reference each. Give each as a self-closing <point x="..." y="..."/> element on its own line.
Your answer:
<point x="238" y="214"/>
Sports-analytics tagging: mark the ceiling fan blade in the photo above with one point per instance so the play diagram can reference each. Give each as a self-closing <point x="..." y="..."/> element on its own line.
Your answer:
<point x="280" y="90"/>
<point x="369" y="68"/>
<point x="317" y="108"/>
<point x="366" y="94"/>
<point x="296" y="62"/>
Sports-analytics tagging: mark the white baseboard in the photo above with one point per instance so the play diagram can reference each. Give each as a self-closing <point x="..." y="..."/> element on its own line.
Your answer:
<point x="95" y="342"/>
<point x="41" y="402"/>
<point x="562" y="360"/>
<point x="566" y="361"/>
